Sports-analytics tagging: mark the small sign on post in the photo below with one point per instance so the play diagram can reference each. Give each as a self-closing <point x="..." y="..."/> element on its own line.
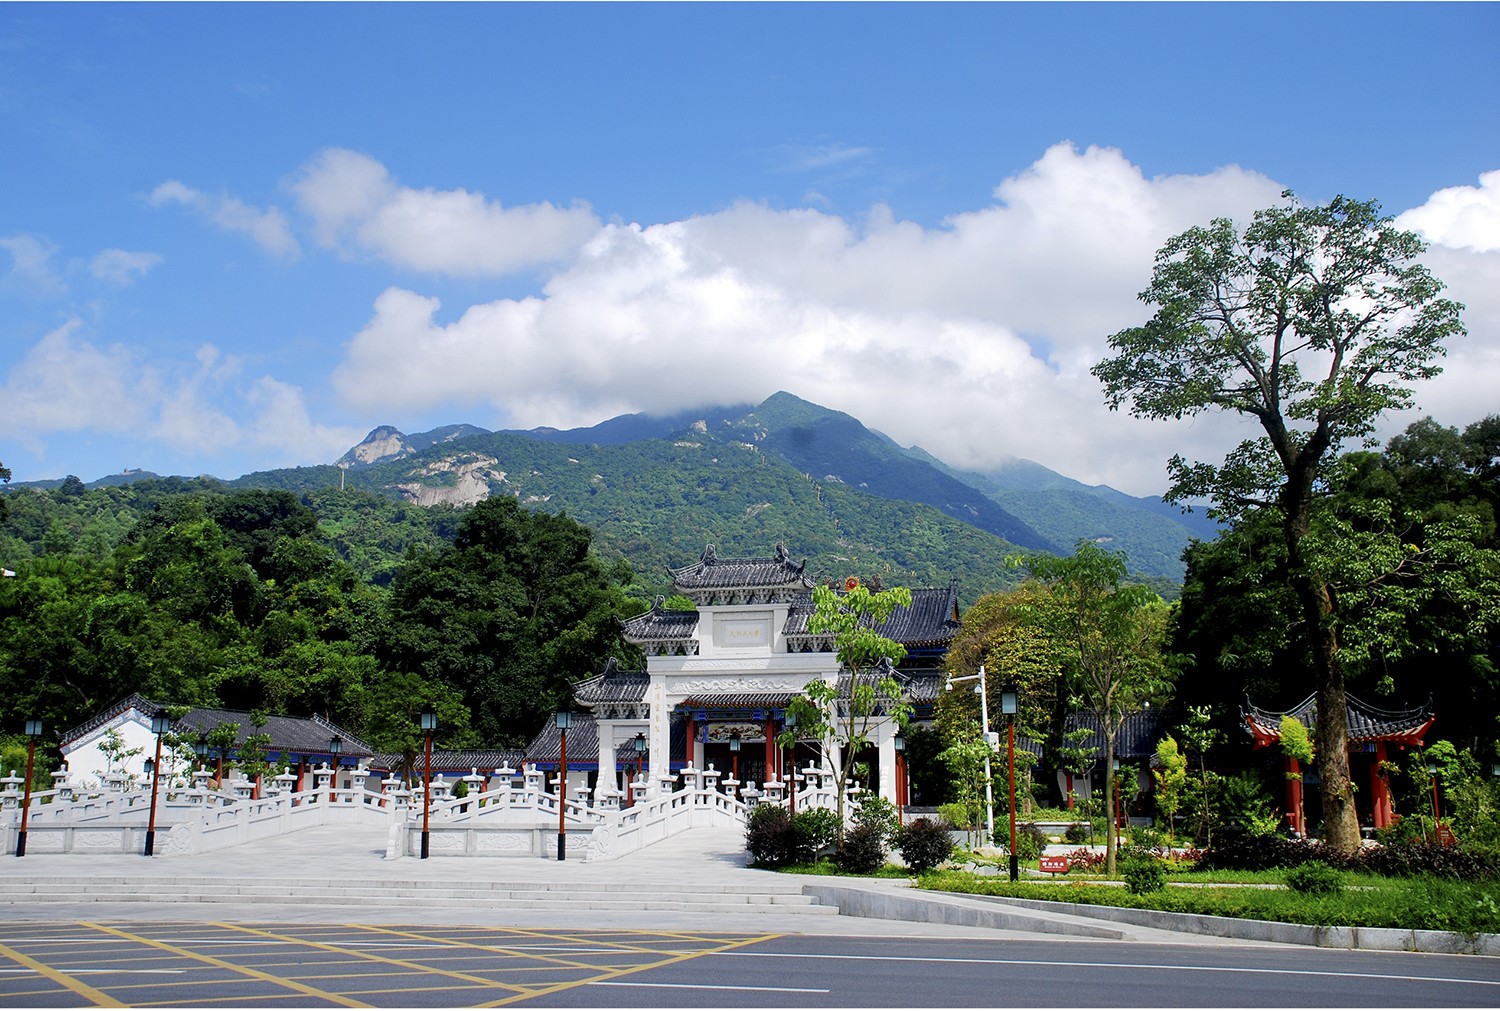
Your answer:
<point x="1055" y="865"/>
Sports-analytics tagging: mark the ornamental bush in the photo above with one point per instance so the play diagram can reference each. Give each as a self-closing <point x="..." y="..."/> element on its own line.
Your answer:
<point x="862" y="850"/>
<point x="925" y="844"/>
<point x="769" y="837"/>
<point x="1315" y="879"/>
<point x="1145" y="874"/>
<point x="815" y="830"/>
<point x="1029" y="841"/>
<point x="875" y="810"/>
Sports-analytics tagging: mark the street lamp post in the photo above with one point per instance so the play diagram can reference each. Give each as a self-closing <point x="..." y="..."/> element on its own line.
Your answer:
<point x="33" y="731"/>
<point x="1010" y="705"/>
<point x="1432" y="771"/>
<point x="335" y="748"/>
<point x="564" y="721"/>
<point x="429" y="724"/>
<point x="899" y="743"/>
<point x="791" y="778"/>
<point x="990" y="741"/>
<point x="159" y="724"/>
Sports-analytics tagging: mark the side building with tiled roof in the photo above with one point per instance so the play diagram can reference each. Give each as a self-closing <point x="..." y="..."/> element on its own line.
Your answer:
<point x="718" y="679"/>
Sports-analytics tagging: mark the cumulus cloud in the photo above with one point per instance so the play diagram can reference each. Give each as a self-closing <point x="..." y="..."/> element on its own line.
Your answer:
<point x="972" y="339"/>
<point x="201" y="408"/>
<point x="267" y="228"/>
<point x="356" y="207"/>
<point x="1462" y="217"/>
<point x="121" y="267"/>
<point x="31" y="271"/>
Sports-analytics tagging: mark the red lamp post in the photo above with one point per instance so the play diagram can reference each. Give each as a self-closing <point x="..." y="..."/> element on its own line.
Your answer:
<point x="734" y="753"/>
<point x="33" y="731"/>
<point x="639" y="745"/>
<point x="899" y="743"/>
<point x="159" y="724"/>
<point x="791" y="777"/>
<point x="564" y="721"/>
<point x="429" y="724"/>
<point x="1009" y="706"/>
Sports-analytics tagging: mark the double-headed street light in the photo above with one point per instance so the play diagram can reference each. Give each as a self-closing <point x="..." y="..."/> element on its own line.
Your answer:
<point x="1010" y="705"/>
<point x="159" y="725"/>
<point x="33" y="731"/>
<point x="564" y="721"/>
<point x="429" y="724"/>
<point x="990" y="741"/>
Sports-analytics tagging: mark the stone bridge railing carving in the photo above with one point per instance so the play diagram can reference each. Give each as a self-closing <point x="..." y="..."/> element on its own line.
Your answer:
<point x="512" y="820"/>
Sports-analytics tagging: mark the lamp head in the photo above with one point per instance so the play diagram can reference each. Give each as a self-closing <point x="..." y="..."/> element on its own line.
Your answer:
<point x="564" y="720"/>
<point x="734" y="742"/>
<point x="640" y="744"/>
<point x="33" y="728"/>
<point x="898" y="742"/>
<point x="1010" y="700"/>
<point x="428" y="721"/>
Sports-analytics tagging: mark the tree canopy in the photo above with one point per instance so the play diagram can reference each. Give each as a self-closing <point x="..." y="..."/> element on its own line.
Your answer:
<point x="1313" y="321"/>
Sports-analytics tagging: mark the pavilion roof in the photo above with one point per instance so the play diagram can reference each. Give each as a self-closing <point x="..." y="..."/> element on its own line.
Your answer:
<point x="711" y="572"/>
<point x="660" y="623"/>
<point x="1366" y="722"/>
<point x="484" y="761"/>
<point x="931" y="620"/>
<point x="613" y="685"/>
<point x="306" y="735"/>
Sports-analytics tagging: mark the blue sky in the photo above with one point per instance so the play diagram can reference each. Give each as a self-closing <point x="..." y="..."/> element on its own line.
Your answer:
<point x="239" y="237"/>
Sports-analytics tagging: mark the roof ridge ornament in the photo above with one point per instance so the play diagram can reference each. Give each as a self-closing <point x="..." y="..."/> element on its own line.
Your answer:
<point x="709" y="555"/>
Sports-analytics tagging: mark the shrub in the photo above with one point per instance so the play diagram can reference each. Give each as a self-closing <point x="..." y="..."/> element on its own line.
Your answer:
<point x="1412" y="859"/>
<point x="925" y="844"/>
<point x="1029" y="841"/>
<point x="1145" y="874"/>
<point x="1240" y="851"/>
<point x="875" y="810"/>
<point x="769" y="837"/>
<point x="815" y="831"/>
<point x="957" y="815"/>
<point x="1085" y="859"/>
<point x="862" y="850"/>
<point x="1077" y="834"/>
<point x="1315" y="879"/>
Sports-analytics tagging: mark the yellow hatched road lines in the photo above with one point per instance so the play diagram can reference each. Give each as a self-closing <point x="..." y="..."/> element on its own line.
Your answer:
<point x="222" y="964"/>
<point x="100" y="998"/>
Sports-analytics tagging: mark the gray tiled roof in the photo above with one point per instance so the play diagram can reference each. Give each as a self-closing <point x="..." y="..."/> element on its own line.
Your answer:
<point x="1366" y="722"/>
<point x="931" y="620"/>
<point x="713" y="573"/>
<point x="660" y="623"/>
<point x="289" y="734"/>
<point x="613" y="685"/>
<point x="454" y="761"/>
<point x="1135" y="740"/>
<point x="583" y="744"/>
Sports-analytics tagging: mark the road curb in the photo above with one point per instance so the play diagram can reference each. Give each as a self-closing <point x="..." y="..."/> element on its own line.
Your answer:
<point x="927" y="908"/>
<point x="1442" y="942"/>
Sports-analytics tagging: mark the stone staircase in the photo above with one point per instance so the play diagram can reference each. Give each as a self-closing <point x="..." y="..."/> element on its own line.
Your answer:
<point x="725" y="898"/>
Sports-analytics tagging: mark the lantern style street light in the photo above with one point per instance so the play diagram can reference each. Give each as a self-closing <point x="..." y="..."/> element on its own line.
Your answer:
<point x="734" y="754"/>
<point x="1432" y="771"/>
<point x="159" y="724"/>
<point x="990" y="742"/>
<point x="1009" y="706"/>
<point x="429" y="724"/>
<point x="33" y="731"/>
<point x="564" y="721"/>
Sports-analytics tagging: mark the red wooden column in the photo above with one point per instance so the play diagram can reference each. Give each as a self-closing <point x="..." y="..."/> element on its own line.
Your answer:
<point x="770" y="750"/>
<point x="1380" y="790"/>
<point x="1294" y="796"/>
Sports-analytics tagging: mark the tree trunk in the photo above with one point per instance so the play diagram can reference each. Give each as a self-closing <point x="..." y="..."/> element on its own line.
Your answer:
<point x="1340" y="823"/>
<point x="1109" y="798"/>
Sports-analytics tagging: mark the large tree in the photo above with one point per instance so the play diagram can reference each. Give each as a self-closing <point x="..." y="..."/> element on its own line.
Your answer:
<point x="1107" y="635"/>
<point x="1313" y="322"/>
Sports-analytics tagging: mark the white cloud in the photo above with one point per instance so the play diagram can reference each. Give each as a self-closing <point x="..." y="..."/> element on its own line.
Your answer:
<point x="1462" y="217"/>
<point x="201" y="408"/>
<point x="268" y="228"/>
<point x="356" y="207"/>
<point x="120" y="267"/>
<point x="972" y="340"/>
<point x="31" y="271"/>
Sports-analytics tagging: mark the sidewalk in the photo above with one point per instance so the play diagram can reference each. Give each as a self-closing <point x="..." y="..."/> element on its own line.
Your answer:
<point x="317" y="866"/>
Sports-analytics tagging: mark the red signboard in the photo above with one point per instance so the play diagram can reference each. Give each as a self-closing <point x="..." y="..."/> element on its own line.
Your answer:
<point x="1055" y="865"/>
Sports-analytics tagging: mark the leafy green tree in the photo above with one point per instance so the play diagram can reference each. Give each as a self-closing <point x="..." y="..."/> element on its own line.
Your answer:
<point x="1170" y="779"/>
<point x="1313" y="322"/>
<point x="1109" y="636"/>
<point x="4" y="499"/>
<point x="510" y="615"/>
<point x="1200" y="736"/>
<point x="848" y="724"/>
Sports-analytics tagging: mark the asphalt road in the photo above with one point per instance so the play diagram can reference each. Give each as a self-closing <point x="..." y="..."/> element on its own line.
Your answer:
<point x="205" y="964"/>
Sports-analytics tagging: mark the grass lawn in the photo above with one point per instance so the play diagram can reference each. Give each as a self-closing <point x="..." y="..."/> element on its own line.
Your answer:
<point x="1366" y="901"/>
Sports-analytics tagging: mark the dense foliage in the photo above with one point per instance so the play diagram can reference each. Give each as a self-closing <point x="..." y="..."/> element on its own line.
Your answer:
<point x="194" y="594"/>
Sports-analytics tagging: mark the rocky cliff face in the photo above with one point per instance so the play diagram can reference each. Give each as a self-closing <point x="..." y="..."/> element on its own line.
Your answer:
<point x="383" y="443"/>
<point x="459" y="480"/>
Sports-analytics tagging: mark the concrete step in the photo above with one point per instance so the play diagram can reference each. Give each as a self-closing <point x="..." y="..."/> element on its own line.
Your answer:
<point x="641" y="903"/>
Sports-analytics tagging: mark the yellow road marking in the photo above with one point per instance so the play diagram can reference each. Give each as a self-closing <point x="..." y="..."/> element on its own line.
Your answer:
<point x="617" y="973"/>
<point x="342" y="950"/>
<point x="570" y="963"/>
<point x="210" y="960"/>
<point x="99" y="997"/>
